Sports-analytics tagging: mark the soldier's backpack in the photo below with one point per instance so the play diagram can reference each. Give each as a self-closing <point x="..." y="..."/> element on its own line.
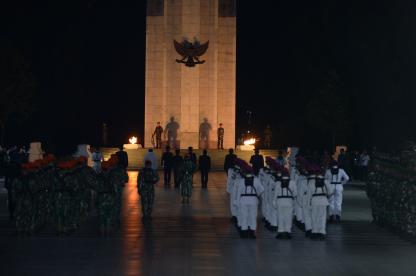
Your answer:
<point x="249" y="182"/>
<point x="148" y="175"/>
<point x="319" y="183"/>
<point x="285" y="183"/>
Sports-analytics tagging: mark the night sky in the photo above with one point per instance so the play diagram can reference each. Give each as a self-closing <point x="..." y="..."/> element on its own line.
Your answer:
<point x="88" y="60"/>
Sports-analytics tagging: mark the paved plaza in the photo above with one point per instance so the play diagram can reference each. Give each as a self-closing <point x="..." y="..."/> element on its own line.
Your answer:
<point x="198" y="239"/>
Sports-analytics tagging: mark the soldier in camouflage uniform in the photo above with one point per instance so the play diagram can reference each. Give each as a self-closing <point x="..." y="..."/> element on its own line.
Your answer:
<point x="186" y="182"/>
<point x="145" y="187"/>
<point x="106" y="202"/>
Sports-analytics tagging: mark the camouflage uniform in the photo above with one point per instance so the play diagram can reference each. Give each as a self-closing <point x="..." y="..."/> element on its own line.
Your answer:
<point x="145" y="186"/>
<point x="186" y="183"/>
<point x="106" y="201"/>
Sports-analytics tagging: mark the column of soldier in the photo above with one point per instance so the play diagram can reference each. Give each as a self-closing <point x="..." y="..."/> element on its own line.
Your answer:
<point x="303" y="194"/>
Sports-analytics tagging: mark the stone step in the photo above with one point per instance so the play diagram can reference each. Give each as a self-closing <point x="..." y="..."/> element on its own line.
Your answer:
<point x="217" y="156"/>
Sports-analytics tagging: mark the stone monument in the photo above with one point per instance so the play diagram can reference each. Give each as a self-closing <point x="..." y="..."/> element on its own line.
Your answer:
<point x="190" y="70"/>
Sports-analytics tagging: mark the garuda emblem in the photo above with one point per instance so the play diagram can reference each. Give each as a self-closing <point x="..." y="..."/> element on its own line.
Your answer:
<point x="190" y="52"/>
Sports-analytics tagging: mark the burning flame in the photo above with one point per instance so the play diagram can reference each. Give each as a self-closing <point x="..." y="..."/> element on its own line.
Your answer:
<point x="133" y="140"/>
<point x="250" y="141"/>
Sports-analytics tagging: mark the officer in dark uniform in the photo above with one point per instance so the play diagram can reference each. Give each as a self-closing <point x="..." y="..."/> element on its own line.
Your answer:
<point x="229" y="160"/>
<point x="204" y="168"/>
<point x="158" y="133"/>
<point x="167" y="163"/>
<point x="257" y="161"/>
<point x="123" y="159"/>
<point x="177" y="163"/>
<point x="220" y="133"/>
<point x="192" y="155"/>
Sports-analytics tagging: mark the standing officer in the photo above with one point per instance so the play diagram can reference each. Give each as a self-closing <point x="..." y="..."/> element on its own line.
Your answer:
<point x="177" y="162"/>
<point x="123" y="159"/>
<point x="204" y="168"/>
<point x="220" y="134"/>
<point x="257" y="161"/>
<point x="167" y="162"/>
<point x="158" y="133"/>
<point x="229" y="160"/>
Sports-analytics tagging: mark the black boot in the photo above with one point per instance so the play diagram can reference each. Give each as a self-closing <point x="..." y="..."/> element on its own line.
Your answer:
<point x="279" y="236"/>
<point x="337" y="219"/>
<point x="244" y="234"/>
<point x="308" y="233"/>
<point x="331" y="219"/>
<point x="251" y="234"/>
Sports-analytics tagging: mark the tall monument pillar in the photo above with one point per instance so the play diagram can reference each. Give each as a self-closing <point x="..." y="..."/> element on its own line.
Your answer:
<point x="196" y="98"/>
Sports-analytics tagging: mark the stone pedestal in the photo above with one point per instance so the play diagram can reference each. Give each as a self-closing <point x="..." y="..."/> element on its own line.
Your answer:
<point x="35" y="151"/>
<point x="191" y="97"/>
<point x="132" y="146"/>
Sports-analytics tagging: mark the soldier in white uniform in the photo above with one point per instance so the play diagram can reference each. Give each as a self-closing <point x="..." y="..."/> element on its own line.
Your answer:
<point x="273" y="178"/>
<point x="264" y="176"/>
<point x="232" y="178"/>
<point x="239" y="163"/>
<point x="306" y="198"/>
<point x="320" y="190"/>
<point x="301" y="186"/>
<point x="249" y="192"/>
<point x="283" y="198"/>
<point x="338" y="178"/>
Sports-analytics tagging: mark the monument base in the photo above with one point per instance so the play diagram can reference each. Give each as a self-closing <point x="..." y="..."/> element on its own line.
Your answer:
<point x="132" y="146"/>
<point x="246" y="147"/>
<point x="136" y="156"/>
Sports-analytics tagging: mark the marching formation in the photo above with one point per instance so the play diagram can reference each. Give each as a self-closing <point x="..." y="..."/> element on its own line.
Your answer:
<point x="307" y="195"/>
<point x="62" y="193"/>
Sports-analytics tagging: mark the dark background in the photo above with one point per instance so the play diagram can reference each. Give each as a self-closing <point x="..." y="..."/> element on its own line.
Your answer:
<point x="88" y="60"/>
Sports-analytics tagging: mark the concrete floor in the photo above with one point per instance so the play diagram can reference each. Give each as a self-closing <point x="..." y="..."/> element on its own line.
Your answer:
<point x="198" y="239"/>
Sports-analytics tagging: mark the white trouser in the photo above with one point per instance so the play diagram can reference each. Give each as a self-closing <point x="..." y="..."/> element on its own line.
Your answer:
<point x="319" y="219"/>
<point x="285" y="214"/>
<point x="248" y="215"/>
<point x="307" y="216"/>
<point x="298" y="210"/>
<point x="264" y="208"/>
<point x="335" y="203"/>
<point x="233" y="208"/>
<point x="273" y="215"/>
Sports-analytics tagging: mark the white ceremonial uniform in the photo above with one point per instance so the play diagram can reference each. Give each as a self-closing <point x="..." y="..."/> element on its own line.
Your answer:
<point x="249" y="200"/>
<point x="236" y="198"/>
<point x="283" y="199"/>
<point x="97" y="157"/>
<point x="319" y="203"/>
<point x="233" y="176"/>
<point x="335" y="200"/>
<point x="301" y="186"/>
<point x="306" y="203"/>
<point x="272" y="211"/>
<point x="264" y="180"/>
